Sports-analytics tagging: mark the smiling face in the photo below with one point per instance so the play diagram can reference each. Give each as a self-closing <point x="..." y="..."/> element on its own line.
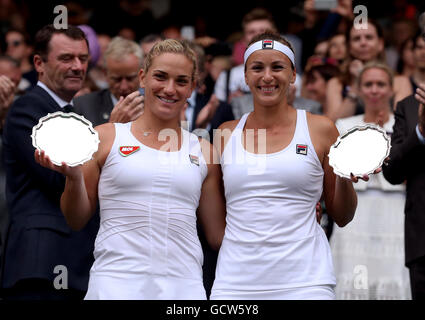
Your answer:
<point x="65" y="66"/>
<point x="375" y="88"/>
<point x="168" y="84"/>
<point x="268" y="75"/>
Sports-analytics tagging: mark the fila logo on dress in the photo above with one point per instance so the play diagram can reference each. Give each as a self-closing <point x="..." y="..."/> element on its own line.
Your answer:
<point x="302" y="149"/>
<point x="125" y="151"/>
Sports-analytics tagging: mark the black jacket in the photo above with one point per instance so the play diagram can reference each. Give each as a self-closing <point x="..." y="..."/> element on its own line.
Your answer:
<point x="407" y="163"/>
<point x="96" y="106"/>
<point x="38" y="237"/>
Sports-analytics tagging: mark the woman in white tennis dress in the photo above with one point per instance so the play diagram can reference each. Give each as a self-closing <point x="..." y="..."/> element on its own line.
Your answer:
<point x="149" y="176"/>
<point x="275" y="169"/>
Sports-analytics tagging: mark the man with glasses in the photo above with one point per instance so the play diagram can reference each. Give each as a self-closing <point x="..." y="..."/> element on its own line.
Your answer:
<point x="407" y="164"/>
<point x="121" y="102"/>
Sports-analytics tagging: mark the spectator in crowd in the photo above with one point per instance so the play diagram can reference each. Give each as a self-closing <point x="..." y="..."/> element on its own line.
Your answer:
<point x="364" y="45"/>
<point x="405" y="62"/>
<point x="405" y="164"/>
<point x="121" y="102"/>
<point x="19" y="48"/>
<point x="322" y="24"/>
<point x="97" y="73"/>
<point x="418" y="50"/>
<point x="232" y="83"/>
<point x="315" y="79"/>
<point x="338" y="49"/>
<point x="321" y="48"/>
<point x="38" y="238"/>
<point x="214" y="112"/>
<point x="372" y="244"/>
<point x="147" y="246"/>
<point x="148" y="42"/>
<point x="10" y="75"/>
<point x="398" y="32"/>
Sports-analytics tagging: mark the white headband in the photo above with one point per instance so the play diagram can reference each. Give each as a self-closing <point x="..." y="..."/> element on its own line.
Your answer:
<point x="269" y="44"/>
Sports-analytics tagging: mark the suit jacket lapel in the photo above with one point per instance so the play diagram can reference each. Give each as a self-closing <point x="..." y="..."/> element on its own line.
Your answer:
<point x="48" y="98"/>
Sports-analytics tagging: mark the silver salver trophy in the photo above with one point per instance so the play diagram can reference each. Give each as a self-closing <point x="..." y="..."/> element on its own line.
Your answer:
<point x="361" y="150"/>
<point x="65" y="137"/>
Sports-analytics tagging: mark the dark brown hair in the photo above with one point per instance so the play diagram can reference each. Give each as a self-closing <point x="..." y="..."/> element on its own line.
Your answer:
<point x="326" y="71"/>
<point x="45" y="34"/>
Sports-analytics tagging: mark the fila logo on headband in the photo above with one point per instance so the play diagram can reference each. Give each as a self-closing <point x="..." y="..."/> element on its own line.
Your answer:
<point x="267" y="44"/>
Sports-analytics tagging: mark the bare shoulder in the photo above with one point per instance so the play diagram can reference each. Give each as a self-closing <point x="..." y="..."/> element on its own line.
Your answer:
<point x="323" y="134"/>
<point x="321" y="125"/>
<point x="209" y="151"/>
<point x="400" y="80"/>
<point x="223" y="133"/>
<point x="231" y="125"/>
<point x="106" y="129"/>
<point x="402" y="84"/>
<point x="106" y="133"/>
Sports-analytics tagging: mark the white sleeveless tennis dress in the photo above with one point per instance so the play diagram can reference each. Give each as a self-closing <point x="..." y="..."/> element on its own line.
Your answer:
<point x="147" y="246"/>
<point x="273" y="247"/>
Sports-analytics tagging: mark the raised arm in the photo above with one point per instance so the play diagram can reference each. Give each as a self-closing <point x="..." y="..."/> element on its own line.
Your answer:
<point x="337" y="106"/>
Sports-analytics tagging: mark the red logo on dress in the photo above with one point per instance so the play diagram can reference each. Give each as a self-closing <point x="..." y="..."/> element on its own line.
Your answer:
<point x="127" y="150"/>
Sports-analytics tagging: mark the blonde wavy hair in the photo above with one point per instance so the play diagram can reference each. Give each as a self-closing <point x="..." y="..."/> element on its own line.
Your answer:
<point x="170" y="46"/>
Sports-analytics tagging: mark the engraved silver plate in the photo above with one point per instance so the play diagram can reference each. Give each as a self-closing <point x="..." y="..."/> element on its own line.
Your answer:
<point x="361" y="150"/>
<point x="65" y="137"/>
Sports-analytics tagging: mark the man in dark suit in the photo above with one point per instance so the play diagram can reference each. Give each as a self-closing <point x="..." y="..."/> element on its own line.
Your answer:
<point x="407" y="163"/>
<point x="44" y="258"/>
<point x="122" y="102"/>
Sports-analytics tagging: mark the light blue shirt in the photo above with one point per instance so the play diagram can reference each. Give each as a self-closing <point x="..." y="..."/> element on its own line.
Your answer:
<point x="62" y="103"/>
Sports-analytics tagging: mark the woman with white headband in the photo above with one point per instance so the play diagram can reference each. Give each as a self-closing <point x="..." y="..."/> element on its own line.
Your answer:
<point x="275" y="170"/>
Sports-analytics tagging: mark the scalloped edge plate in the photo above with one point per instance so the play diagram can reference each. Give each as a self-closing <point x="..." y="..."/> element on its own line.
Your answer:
<point x="66" y="137"/>
<point x="360" y="153"/>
